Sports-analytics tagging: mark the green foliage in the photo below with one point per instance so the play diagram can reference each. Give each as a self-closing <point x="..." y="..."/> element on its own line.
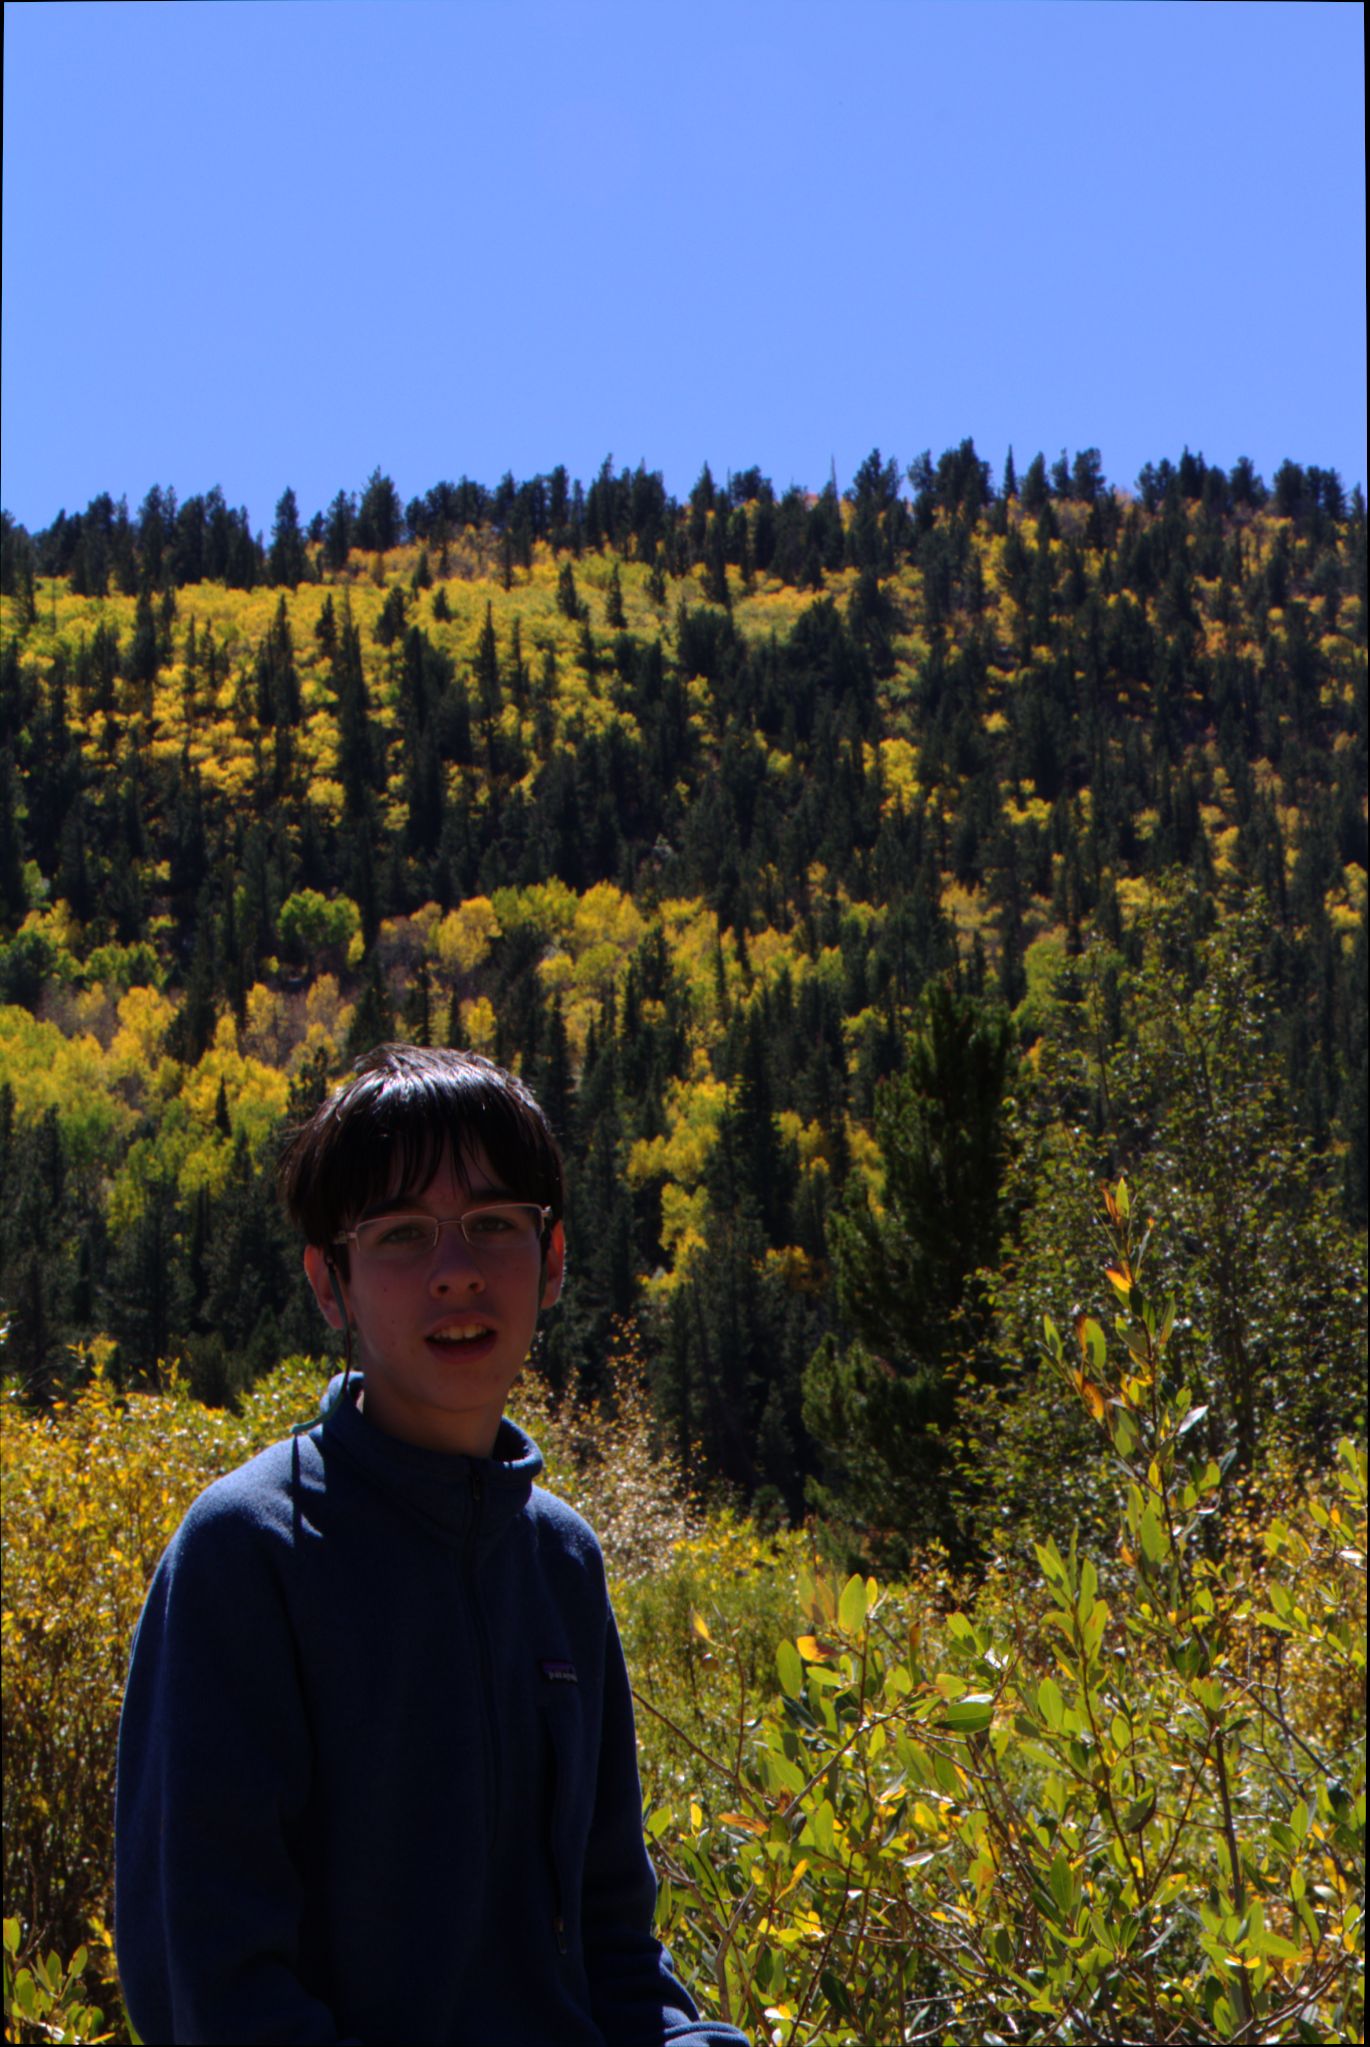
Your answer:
<point x="1120" y="1792"/>
<point x="44" y="2000"/>
<point x="311" y="924"/>
<point x="903" y="1270"/>
<point x="1109" y="1799"/>
<point x="1167" y="1066"/>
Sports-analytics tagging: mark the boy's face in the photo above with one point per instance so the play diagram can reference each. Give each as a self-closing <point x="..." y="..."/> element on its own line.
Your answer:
<point x="442" y="1341"/>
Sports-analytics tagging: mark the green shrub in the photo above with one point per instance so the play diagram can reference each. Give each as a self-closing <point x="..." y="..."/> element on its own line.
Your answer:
<point x="1119" y="1817"/>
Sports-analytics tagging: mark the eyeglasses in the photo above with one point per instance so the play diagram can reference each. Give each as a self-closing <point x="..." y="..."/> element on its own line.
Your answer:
<point x="504" y="1227"/>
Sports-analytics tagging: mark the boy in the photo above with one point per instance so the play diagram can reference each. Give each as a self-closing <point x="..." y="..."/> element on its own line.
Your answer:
<point x="377" y="1769"/>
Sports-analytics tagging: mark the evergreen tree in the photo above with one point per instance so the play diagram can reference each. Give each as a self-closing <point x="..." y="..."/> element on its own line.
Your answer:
<point x="614" y="614"/>
<point x="379" y="517"/>
<point x="903" y="1277"/>
<point x="286" y="561"/>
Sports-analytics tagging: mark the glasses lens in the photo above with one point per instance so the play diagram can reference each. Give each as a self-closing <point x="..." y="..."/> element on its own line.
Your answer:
<point x="508" y="1226"/>
<point x="406" y="1239"/>
<point x="397" y="1239"/>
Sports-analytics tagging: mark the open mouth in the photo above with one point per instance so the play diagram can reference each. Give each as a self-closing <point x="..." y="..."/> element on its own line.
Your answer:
<point x="461" y="1336"/>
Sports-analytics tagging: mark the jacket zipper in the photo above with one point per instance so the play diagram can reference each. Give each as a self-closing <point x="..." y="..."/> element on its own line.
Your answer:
<point x="483" y="1654"/>
<point x="553" y="1862"/>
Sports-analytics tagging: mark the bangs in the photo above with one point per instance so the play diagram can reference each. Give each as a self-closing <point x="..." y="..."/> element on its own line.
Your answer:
<point x="389" y="1130"/>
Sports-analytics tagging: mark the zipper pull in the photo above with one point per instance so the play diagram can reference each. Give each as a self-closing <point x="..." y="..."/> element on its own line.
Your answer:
<point x="560" y="1924"/>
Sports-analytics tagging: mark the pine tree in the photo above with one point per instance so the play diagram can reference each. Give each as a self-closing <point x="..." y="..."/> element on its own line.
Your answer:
<point x="286" y="562"/>
<point x="903" y="1276"/>
<point x="568" y="598"/>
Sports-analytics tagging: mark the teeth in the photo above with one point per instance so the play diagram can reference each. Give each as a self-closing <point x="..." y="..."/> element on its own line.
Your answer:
<point x="458" y="1335"/>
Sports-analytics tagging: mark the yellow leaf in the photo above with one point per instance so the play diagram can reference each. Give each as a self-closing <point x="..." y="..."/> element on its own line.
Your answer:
<point x="809" y="1649"/>
<point x="701" y="1627"/>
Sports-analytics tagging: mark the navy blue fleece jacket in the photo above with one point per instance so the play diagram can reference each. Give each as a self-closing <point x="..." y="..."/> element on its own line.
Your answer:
<point x="377" y="1769"/>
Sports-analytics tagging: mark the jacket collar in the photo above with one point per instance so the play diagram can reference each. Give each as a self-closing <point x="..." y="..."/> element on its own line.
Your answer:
<point x="456" y="1496"/>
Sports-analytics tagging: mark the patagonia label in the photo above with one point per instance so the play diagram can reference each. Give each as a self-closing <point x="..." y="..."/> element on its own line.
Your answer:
<point x="559" y="1672"/>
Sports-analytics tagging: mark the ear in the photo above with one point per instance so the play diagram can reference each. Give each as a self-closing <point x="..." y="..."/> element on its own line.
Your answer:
<point x="553" y="1266"/>
<point x="323" y="1276"/>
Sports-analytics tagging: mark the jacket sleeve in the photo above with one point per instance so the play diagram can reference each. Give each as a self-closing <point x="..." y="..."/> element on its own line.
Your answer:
<point x="213" y="1778"/>
<point x="636" y="1998"/>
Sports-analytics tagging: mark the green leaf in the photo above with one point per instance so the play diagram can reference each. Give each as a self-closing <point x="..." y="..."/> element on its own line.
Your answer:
<point x="1092" y="1632"/>
<point x="821" y="1827"/>
<point x="1191" y="1420"/>
<point x="971" y="1715"/>
<point x="660" y="1822"/>
<point x="851" y="1608"/>
<point x="1050" y="1702"/>
<point x="944" y="1770"/>
<point x="782" y="1775"/>
<point x="791" y="1670"/>
<point x="1155" y="1542"/>
<point x="1277" y="1947"/>
<point x="1138" y="1813"/>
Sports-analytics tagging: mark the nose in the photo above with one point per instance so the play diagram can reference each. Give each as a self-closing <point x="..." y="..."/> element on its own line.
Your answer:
<point x="454" y="1263"/>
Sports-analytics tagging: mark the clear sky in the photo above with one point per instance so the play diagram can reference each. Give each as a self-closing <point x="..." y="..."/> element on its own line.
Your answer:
<point x="286" y="241"/>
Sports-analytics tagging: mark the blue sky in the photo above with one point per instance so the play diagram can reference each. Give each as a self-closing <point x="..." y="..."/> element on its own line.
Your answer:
<point x="264" y="244"/>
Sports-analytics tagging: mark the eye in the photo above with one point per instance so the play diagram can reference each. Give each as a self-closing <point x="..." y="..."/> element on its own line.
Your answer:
<point x="397" y="1233"/>
<point x="494" y="1222"/>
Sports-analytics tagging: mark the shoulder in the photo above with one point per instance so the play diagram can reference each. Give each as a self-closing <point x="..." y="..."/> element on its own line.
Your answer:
<point x="561" y="1530"/>
<point x="248" y="1506"/>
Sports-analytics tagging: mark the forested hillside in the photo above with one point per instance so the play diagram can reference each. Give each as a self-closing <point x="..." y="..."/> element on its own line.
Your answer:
<point x="858" y="878"/>
<point x="861" y="880"/>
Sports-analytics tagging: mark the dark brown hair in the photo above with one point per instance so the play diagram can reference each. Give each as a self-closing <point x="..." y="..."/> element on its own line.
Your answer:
<point x="388" y="1128"/>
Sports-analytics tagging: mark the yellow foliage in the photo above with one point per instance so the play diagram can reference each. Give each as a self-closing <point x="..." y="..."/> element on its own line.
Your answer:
<point x="684" y="1215"/>
<point x="465" y="935"/>
<point x="1036" y="810"/>
<point x="58" y="927"/>
<point x="605" y="917"/>
<point x="478" y="1024"/>
<point x="549" y="906"/>
<point x="693" y="1110"/>
<point x="899" y="768"/>
<point x="92" y="1494"/>
<point x="144" y="1014"/>
<point x="326" y="796"/>
<point x="256" y="1093"/>
<point x="268" y="1023"/>
<point x="792" y="1266"/>
<point x="325" y="1009"/>
<point x="1346" y="904"/>
<point x="556" y="972"/>
<point x="48" y="1070"/>
<point x="1135" y="894"/>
